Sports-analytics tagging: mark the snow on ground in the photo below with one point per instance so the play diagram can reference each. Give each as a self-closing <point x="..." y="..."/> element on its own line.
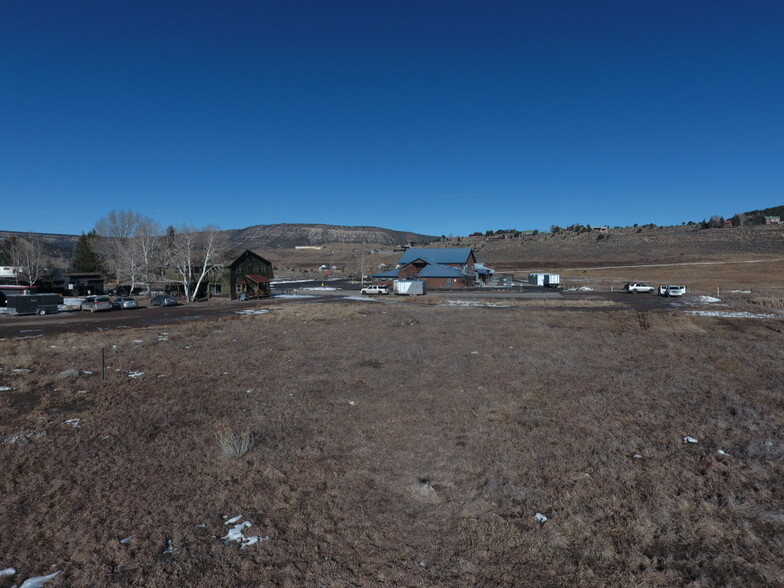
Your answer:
<point x="38" y="581"/>
<point x="730" y="314"/>
<point x="5" y="388"/>
<point x="581" y="289"/>
<point x="361" y="298"/>
<point x="236" y="533"/>
<point x="321" y="288"/>
<point x="294" y="296"/>
<point x="707" y="299"/>
<point x="251" y="311"/>
<point x="474" y="303"/>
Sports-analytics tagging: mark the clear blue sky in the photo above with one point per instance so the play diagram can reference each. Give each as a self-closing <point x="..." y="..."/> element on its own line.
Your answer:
<point x="441" y="117"/>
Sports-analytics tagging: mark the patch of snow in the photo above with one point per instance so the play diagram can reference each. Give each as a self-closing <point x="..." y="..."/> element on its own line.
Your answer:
<point x="474" y="303"/>
<point x="5" y="388"/>
<point x="250" y="311"/>
<point x="169" y="547"/>
<point x="728" y="314"/>
<point x="722" y="452"/>
<point x="580" y="289"/>
<point x="38" y="581"/>
<point x="637" y="456"/>
<point x="7" y="572"/>
<point x="290" y="281"/>
<point x="135" y="374"/>
<point x="688" y="439"/>
<point x="540" y="518"/>
<point x="138" y="340"/>
<point x="361" y="298"/>
<point x="127" y="540"/>
<point x="707" y="299"/>
<point x="740" y="291"/>
<point x="236" y="533"/>
<point x="73" y="422"/>
<point x="294" y="296"/>
<point x="352" y="403"/>
<point x="320" y="288"/>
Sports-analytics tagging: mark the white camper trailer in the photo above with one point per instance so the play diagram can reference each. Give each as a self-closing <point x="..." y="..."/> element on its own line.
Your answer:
<point x="410" y="287"/>
<point x="549" y="280"/>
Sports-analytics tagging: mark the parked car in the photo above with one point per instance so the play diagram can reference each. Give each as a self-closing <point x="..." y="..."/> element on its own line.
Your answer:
<point x="638" y="287"/>
<point x="375" y="289"/>
<point x="163" y="300"/>
<point x="124" y="302"/>
<point x="672" y="290"/>
<point x="96" y="303"/>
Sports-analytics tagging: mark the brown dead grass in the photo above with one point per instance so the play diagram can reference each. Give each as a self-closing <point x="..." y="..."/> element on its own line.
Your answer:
<point x="401" y="445"/>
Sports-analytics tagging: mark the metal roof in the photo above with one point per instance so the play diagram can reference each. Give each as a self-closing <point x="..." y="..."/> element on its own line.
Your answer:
<point x="389" y="274"/>
<point x="457" y="255"/>
<point x="434" y="270"/>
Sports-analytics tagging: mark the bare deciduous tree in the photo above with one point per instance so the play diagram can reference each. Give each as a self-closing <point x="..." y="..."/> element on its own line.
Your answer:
<point x="194" y="254"/>
<point x="128" y="245"/>
<point x="28" y="257"/>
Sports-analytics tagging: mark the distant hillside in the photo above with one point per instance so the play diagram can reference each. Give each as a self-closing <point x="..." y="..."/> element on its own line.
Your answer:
<point x="757" y="217"/>
<point x="258" y="237"/>
<point x="286" y="236"/>
<point x="57" y="245"/>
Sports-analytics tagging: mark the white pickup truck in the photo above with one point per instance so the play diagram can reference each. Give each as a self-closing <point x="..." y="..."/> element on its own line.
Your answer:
<point x="375" y="289"/>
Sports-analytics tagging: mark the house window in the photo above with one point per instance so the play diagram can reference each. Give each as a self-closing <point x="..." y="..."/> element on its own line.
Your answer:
<point x="215" y="289"/>
<point x="449" y="282"/>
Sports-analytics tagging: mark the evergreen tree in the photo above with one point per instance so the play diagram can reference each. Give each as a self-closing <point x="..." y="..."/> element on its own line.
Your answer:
<point x="85" y="258"/>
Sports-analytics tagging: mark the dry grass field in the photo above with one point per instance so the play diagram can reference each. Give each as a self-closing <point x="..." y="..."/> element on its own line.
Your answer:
<point x="398" y="445"/>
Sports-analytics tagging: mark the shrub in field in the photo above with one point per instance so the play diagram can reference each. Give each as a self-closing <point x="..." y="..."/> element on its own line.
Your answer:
<point x="235" y="444"/>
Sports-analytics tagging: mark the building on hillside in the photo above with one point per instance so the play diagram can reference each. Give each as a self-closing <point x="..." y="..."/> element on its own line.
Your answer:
<point x="454" y="267"/>
<point x="772" y="220"/>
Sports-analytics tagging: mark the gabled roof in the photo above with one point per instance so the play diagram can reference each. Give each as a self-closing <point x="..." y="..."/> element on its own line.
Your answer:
<point x="456" y="255"/>
<point x="237" y="258"/>
<point x="434" y="270"/>
<point x="388" y="274"/>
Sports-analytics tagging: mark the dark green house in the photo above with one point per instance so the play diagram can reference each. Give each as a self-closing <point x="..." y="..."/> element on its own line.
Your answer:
<point x="249" y="274"/>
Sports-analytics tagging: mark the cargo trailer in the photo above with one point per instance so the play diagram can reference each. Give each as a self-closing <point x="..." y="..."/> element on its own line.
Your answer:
<point x="33" y="304"/>
<point x="548" y="280"/>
